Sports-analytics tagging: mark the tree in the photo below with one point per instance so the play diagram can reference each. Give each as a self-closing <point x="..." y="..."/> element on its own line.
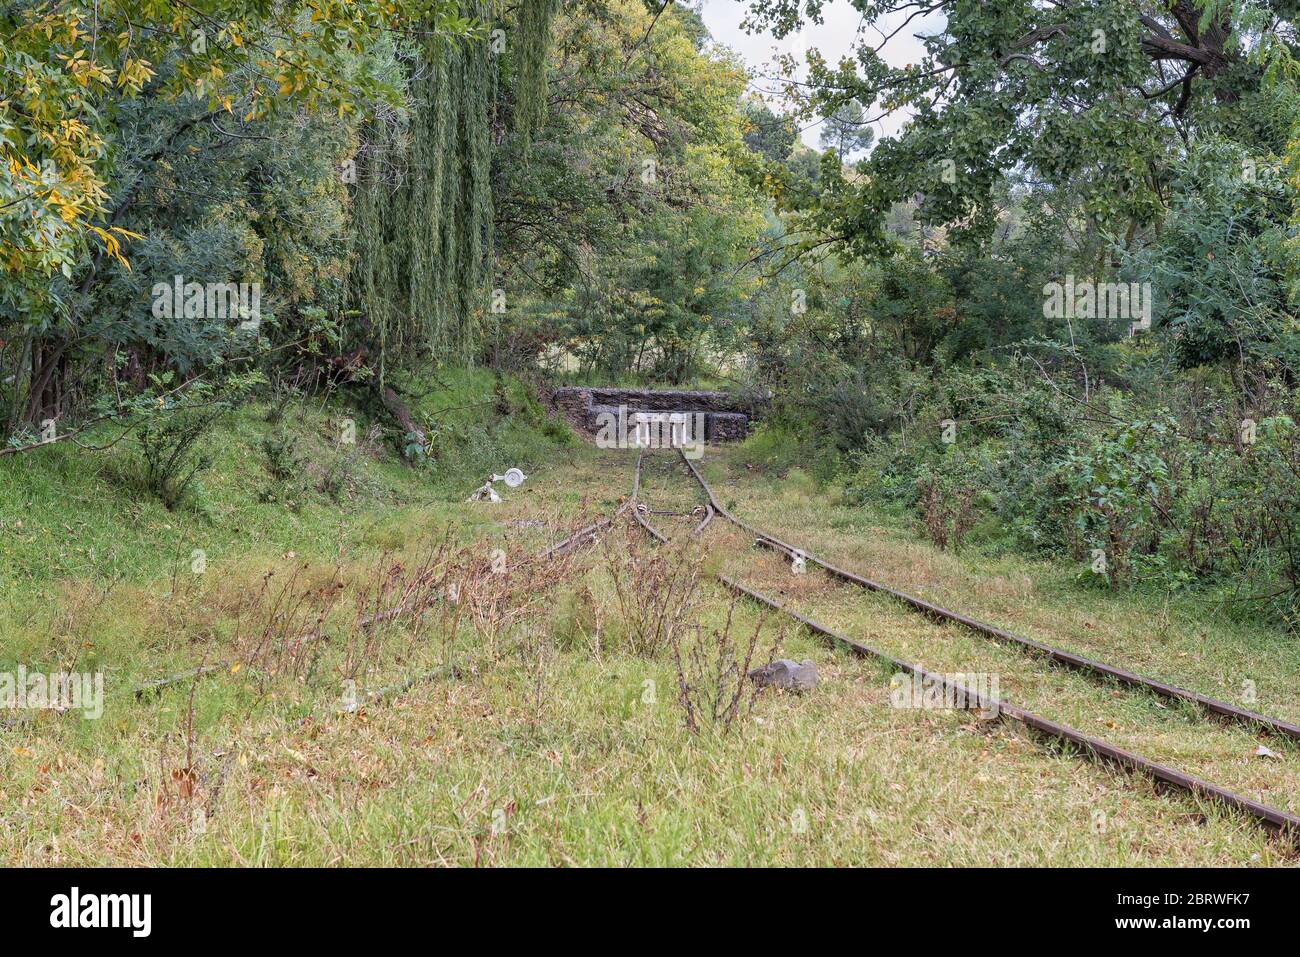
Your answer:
<point x="622" y="225"/>
<point x="846" y="130"/>
<point x="768" y="134"/>
<point x="65" y="70"/>
<point x="1102" y="93"/>
<point x="1221" y="262"/>
<point x="99" y="105"/>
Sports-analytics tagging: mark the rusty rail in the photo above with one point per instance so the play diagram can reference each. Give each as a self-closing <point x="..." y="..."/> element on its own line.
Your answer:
<point x="1095" y="749"/>
<point x="1067" y="659"/>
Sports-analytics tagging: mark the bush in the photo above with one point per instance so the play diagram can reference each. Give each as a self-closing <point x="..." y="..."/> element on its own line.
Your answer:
<point x="946" y="498"/>
<point x="340" y="475"/>
<point x="283" y="460"/>
<point x="773" y="446"/>
<point x="169" y="446"/>
<point x="657" y="589"/>
<point x="712" y="667"/>
<point x="1166" y="487"/>
<point x="1109" y="492"/>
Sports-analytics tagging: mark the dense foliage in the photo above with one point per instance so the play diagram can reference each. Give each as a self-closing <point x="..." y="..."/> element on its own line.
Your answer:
<point x="1053" y="311"/>
<point x="1142" y="150"/>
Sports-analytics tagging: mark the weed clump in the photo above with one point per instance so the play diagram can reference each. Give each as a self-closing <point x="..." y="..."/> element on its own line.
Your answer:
<point x="713" y="670"/>
<point x="657" y="589"/>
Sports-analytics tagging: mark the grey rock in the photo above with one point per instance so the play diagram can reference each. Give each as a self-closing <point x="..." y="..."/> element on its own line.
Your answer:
<point x="786" y="675"/>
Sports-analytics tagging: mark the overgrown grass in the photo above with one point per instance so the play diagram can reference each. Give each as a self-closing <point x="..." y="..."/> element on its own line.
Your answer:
<point x="555" y="741"/>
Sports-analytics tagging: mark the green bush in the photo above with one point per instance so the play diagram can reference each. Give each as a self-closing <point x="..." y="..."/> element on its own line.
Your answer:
<point x="1165" y="488"/>
<point x="169" y="446"/>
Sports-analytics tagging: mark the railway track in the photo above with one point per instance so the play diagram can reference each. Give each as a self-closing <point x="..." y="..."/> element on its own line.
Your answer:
<point x="697" y="517"/>
<point x="1088" y="746"/>
<point x="1058" y="656"/>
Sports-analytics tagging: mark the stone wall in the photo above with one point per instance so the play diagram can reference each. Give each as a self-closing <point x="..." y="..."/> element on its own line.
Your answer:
<point x="726" y="426"/>
<point x="724" y="421"/>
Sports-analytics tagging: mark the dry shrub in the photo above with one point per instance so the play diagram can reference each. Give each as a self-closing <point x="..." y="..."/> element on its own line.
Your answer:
<point x="657" y="587"/>
<point x="283" y="630"/>
<point x="947" y="513"/>
<point x="284" y="624"/>
<point x="713" y="672"/>
<point x="401" y="594"/>
<point x="283" y="627"/>
<point x="501" y="590"/>
<point x="180" y="796"/>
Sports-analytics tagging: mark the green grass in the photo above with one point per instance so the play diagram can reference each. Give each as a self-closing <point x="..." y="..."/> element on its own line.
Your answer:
<point x="569" y="750"/>
<point x="68" y="514"/>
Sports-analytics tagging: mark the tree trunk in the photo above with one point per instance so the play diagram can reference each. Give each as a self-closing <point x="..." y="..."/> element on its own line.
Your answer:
<point x="394" y="404"/>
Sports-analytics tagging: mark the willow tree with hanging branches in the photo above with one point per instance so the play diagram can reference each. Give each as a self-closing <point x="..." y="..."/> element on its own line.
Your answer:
<point x="424" y="210"/>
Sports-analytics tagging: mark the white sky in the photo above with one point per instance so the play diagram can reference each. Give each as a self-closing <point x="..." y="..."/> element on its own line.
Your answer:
<point x="834" y="37"/>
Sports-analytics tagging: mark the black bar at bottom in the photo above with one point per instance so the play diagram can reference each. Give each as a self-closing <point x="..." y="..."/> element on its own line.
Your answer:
<point x="344" y="909"/>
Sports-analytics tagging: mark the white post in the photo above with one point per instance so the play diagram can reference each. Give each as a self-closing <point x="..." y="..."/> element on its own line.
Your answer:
<point x="677" y="427"/>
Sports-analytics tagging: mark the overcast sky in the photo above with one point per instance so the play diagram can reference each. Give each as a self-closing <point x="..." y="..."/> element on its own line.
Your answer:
<point x="834" y="37"/>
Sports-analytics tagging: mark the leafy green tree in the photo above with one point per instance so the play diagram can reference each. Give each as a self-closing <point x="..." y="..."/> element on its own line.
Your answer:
<point x="1220" y="264"/>
<point x="622" y="226"/>
<point x="768" y="134"/>
<point x="1100" y="93"/>
<point x="124" y="115"/>
<point x="67" y="68"/>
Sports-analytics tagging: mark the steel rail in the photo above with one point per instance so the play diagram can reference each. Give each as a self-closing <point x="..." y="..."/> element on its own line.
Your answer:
<point x="1067" y="659"/>
<point x="1093" y="748"/>
<point x="588" y="533"/>
<point x="708" y="517"/>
